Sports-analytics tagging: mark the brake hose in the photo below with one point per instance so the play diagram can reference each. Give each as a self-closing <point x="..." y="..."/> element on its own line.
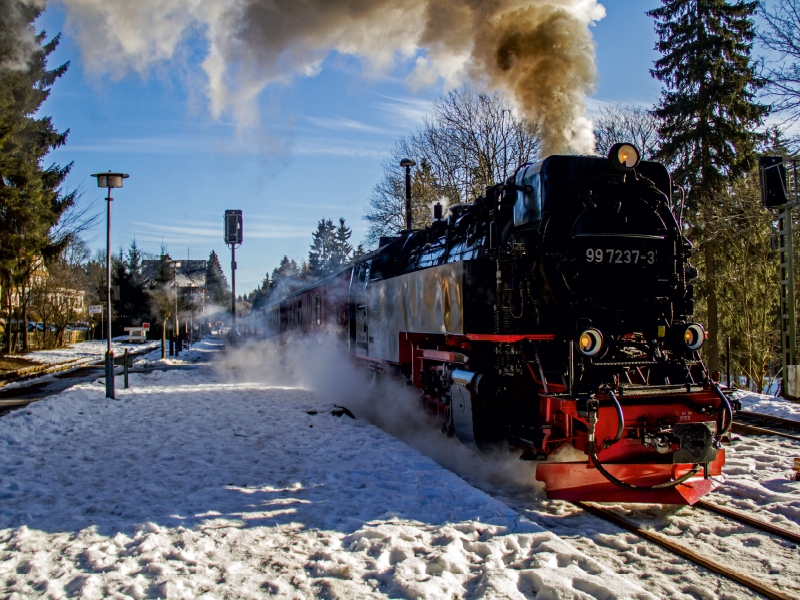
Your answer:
<point x="727" y="412"/>
<point x="628" y="486"/>
<point x="640" y="488"/>
<point x="620" y="418"/>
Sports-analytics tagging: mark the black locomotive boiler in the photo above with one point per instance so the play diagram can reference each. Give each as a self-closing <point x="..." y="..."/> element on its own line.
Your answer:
<point x="553" y="313"/>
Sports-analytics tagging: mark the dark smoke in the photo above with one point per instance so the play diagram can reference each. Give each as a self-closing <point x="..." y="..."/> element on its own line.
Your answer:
<point x="540" y="53"/>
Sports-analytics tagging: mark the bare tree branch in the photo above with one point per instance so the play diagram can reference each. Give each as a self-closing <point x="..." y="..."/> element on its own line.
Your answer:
<point x="782" y="36"/>
<point x="473" y="140"/>
<point x="623" y="123"/>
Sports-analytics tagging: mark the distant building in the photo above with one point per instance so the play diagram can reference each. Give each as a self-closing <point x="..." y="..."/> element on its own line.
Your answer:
<point x="190" y="276"/>
<point x="60" y="295"/>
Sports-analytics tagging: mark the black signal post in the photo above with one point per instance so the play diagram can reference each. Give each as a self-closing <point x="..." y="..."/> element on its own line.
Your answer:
<point x="780" y="192"/>
<point x="233" y="238"/>
<point x="109" y="180"/>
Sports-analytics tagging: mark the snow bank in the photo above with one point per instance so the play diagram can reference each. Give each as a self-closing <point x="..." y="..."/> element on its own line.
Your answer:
<point x="769" y="405"/>
<point x="202" y="484"/>
<point x="86" y="350"/>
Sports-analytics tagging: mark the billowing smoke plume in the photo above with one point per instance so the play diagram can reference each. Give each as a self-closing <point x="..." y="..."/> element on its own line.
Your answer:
<point x="538" y="52"/>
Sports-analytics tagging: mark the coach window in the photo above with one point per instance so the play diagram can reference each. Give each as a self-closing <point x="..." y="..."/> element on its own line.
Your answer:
<point x="319" y="310"/>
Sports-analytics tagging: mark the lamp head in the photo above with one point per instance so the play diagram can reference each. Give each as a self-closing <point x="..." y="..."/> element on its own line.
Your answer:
<point x="110" y="179"/>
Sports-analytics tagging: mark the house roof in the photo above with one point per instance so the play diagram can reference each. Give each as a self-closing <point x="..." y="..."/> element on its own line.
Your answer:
<point x="191" y="273"/>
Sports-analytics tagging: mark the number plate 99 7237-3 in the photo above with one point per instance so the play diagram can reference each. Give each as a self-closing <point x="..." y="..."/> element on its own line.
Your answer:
<point x="611" y="256"/>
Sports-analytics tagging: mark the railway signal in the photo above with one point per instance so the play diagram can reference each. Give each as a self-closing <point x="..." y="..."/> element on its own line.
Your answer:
<point x="234" y="234"/>
<point x="776" y="194"/>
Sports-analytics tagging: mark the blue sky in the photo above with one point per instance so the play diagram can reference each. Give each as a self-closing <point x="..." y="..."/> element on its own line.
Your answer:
<point x="317" y="155"/>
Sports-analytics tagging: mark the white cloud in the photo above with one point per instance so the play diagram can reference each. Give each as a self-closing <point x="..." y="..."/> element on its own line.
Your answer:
<point x="194" y="231"/>
<point x="339" y="123"/>
<point x="405" y="112"/>
<point x="338" y="147"/>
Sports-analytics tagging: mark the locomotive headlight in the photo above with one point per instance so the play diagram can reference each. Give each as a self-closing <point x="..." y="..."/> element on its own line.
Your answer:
<point x="590" y="342"/>
<point x="623" y="157"/>
<point x="693" y="336"/>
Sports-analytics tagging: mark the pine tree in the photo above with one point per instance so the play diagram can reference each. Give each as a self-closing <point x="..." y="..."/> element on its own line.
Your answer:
<point x="342" y="250"/>
<point x="323" y="247"/>
<point x="219" y="292"/>
<point x="31" y="201"/>
<point x="358" y="253"/>
<point x="134" y="262"/>
<point x="260" y="295"/>
<point x="708" y="114"/>
<point x="285" y="278"/>
<point x="132" y="305"/>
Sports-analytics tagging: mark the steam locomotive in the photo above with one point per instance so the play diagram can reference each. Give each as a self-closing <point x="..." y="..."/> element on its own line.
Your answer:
<point x="555" y="314"/>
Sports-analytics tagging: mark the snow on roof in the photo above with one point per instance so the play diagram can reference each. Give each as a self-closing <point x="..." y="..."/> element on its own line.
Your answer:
<point x="191" y="273"/>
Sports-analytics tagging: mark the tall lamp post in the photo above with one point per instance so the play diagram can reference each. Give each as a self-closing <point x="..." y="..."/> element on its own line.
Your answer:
<point x="234" y="234"/>
<point x="193" y="287"/>
<point x="407" y="163"/>
<point x="175" y="265"/>
<point x="109" y="180"/>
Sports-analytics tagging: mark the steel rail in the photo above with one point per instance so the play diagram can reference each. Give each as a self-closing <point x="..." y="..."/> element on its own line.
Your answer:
<point x="745" y="519"/>
<point x="769" y="420"/>
<point x="666" y="543"/>
<point x="752" y="429"/>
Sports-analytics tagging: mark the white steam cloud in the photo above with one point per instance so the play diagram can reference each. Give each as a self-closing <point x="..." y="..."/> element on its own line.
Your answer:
<point x="17" y="38"/>
<point x="540" y="53"/>
<point x="322" y="365"/>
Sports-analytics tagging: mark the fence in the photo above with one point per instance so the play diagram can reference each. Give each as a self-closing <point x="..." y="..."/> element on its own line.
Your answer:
<point x="37" y="339"/>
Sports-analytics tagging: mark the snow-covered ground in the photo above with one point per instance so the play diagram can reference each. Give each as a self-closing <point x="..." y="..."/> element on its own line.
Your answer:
<point x="242" y="478"/>
<point x="93" y="350"/>
<point x="769" y="405"/>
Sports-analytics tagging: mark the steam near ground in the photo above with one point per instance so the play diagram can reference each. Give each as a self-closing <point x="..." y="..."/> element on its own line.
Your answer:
<point x="540" y="53"/>
<point x="322" y="364"/>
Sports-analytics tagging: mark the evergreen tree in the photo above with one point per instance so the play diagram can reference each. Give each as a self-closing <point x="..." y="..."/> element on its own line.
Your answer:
<point x="323" y="248"/>
<point x="259" y="297"/>
<point x="219" y="292"/>
<point x="358" y="253"/>
<point x="707" y="114"/>
<point x="31" y="201"/>
<point x="131" y="307"/>
<point x="286" y="277"/>
<point x="342" y="250"/>
<point x="134" y="263"/>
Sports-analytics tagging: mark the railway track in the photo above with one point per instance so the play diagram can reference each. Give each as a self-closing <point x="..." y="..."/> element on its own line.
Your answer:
<point x="754" y="423"/>
<point x="666" y="542"/>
